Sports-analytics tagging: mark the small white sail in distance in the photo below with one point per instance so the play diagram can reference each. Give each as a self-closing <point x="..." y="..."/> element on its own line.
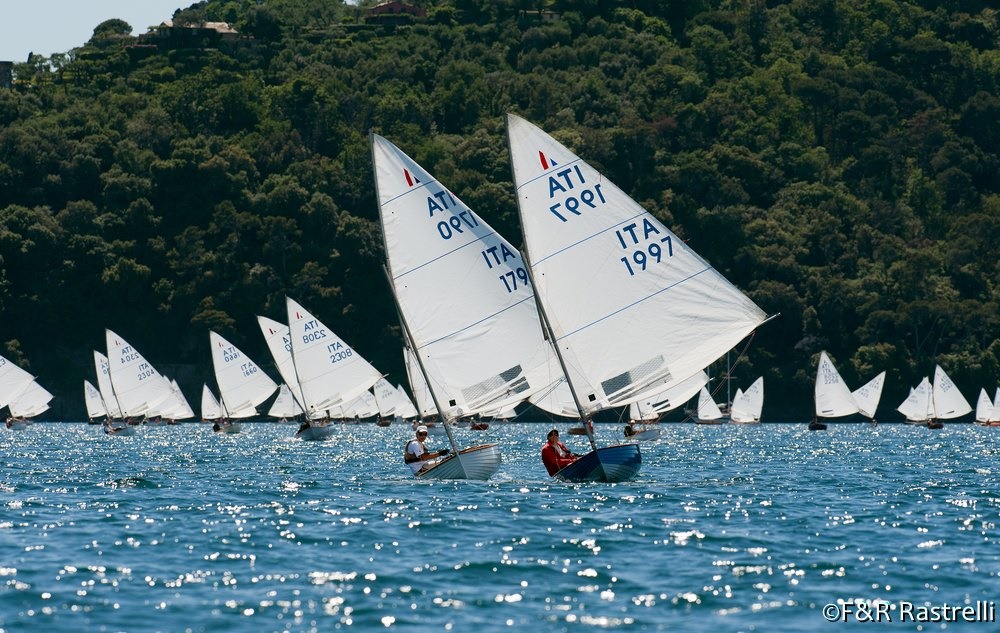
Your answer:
<point x="284" y="405"/>
<point x="833" y="398"/>
<point x="707" y="407"/>
<point x="748" y="405"/>
<point x="210" y="408"/>
<point x="92" y="398"/>
<point x="919" y="404"/>
<point x="242" y="384"/>
<point x="32" y="400"/>
<point x="868" y="395"/>
<point x="13" y="380"/>
<point x="630" y="305"/>
<point x="948" y="400"/>
<point x="984" y="407"/>
<point x="654" y="405"/>
<point x="330" y="371"/>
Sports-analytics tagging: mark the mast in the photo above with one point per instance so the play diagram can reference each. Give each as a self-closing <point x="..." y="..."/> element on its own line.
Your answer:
<point x="562" y="362"/>
<point x="298" y="383"/>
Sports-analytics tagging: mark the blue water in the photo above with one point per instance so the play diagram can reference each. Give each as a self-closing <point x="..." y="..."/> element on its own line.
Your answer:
<point x="727" y="528"/>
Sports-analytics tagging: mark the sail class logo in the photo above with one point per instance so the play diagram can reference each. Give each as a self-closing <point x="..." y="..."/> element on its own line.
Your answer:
<point x="410" y="178"/>
<point x="546" y="161"/>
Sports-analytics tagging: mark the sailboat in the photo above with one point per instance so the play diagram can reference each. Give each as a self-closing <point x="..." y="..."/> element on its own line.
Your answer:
<point x="645" y="414"/>
<point x="328" y="371"/>
<point x="211" y="410"/>
<point x="748" y="405"/>
<point x="708" y="411"/>
<point x="628" y="306"/>
<point x="13" y="381"/>
<point x="918" y="408"/>
<point x="465" y="304"/>
<point x="31" y="401"/>
<point x="136" y="386"/>
<point x="927" y="405"/>
<point x="242" y="384"/>
<point x="986" y="411"/>
<point x="174" y="408"/>
<point x="93" y="402"/>
<point x="949" y="403"/>
<point x="833" y="398"/>
<point x="868" y="395"/>
<point x="115" y="423"/>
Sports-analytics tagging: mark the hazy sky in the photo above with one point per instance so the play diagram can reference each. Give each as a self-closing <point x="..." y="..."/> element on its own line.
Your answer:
<point x="55" y="26"/>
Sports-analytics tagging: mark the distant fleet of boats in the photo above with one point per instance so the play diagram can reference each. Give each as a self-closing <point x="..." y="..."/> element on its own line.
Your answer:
<point x="605" y="308"/>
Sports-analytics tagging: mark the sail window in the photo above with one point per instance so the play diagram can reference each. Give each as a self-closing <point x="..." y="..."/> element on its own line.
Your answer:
<point x="509" y="381"/>
<point x="639" y="376"/>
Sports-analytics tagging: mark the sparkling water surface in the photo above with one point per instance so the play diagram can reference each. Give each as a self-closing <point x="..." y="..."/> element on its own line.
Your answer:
<point x="727" y="528"/>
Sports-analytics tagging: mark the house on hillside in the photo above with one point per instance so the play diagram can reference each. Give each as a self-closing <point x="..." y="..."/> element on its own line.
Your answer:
<point x="202" y="35"/>
<point x="393" y="13"/>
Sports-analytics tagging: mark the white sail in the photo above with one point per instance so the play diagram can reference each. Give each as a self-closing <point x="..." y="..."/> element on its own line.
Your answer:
<point x="557" y="400"/>
<point x="284" y="405"/>
<point x="948" y="400"/>
<point x="996" y="407"/>
<point x="136" y="383"/>
<point x="707" y="408"/>
<point x="175" y="406"/>
<point x="425" y="404"/>
<point x="919" y="404"/>
<point x="242" y="384"/>
<point x="330" y="371"/>
<point x="32" y="400"/>
<point x="651" y="407"/>
<point x="93" y="401"/>
<point x="279" y="342"/>
<point x="13" y="380"/>
<point x="463" y="290"/>
<point x="407" y="409"/>
<point x="984" y="408"/>
<point x="386" y="397"/>
<point x="183" y="410"/>
<point x="103" y="368"/>
<point x="748" y="405"/>
<point x="210" y="407"/>
<point x="833" y="398"/>
<point x="393" y="401"/>
<point x="631" y="306"/>
<point x="364" y="406"/>
<point x="867" y="396"/>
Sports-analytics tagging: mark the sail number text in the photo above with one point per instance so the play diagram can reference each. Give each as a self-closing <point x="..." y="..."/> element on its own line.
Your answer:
<point x="569" y="183"/>
<point x="144" y="371"/>
<point x="455" y="224"/>
<point x="501" y="256"/>
<point x="649" y="247"/>
<point x="337" y="350"/>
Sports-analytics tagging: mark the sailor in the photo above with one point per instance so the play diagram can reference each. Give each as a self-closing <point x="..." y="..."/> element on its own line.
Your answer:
<point x="416" y="454"/>
<point x="555" y="455"/>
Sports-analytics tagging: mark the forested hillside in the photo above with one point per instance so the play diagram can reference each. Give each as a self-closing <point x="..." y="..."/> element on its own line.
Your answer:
<point x="836" y="159"/>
